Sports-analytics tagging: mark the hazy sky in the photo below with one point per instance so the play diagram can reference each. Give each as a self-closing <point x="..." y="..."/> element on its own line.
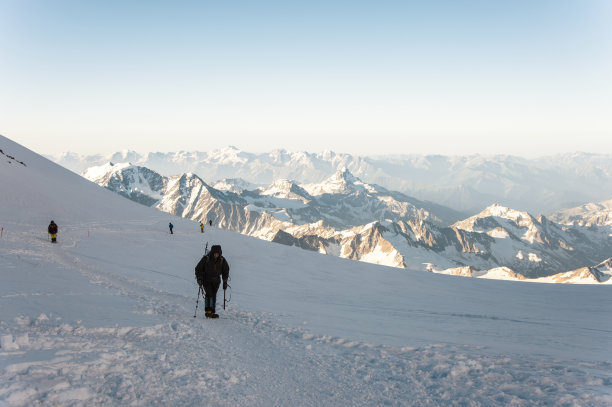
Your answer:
<point x="365" y="77"/>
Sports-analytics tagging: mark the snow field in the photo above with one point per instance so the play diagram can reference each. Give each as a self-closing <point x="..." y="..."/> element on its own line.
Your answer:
<point x="191" y="362"/>
<point x="151" y="350"/>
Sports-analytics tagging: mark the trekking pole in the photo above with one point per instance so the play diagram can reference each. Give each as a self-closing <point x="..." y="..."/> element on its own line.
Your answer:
<point x="224" y="301"/>
<point x="197" y="301"/>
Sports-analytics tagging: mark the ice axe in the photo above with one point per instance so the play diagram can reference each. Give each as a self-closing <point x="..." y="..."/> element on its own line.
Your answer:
<point x="224" y="300"/>
<point x="197" y="301"/>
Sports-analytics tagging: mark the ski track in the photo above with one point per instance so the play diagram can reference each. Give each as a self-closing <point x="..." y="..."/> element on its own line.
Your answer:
<point x="251" y="359"/>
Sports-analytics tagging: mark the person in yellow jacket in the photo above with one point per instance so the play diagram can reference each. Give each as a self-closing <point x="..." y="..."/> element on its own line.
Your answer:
<point x="52" y="229"/>
<point x="201" y="227"/>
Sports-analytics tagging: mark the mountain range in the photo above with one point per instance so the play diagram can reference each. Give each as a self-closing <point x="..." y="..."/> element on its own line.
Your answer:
<point x="464" y="183"/>
<point x="346" y="217"/>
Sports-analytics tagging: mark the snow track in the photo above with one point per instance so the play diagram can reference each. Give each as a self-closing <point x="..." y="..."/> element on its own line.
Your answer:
<point x="245" y="360"/>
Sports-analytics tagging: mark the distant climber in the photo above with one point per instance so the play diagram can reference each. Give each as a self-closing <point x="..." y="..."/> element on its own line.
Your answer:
<point x="210" y="222"/>
<point x="209" y="271"/>
<point x="201" y="227"/>
<point x="52" y="229"/>
<point x="171" y="226"/>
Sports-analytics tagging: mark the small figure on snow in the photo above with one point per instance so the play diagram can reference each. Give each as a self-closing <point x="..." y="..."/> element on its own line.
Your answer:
<point x="209" y="271"/>
<point x="170" y="225"/>
<point x="201" y="227"/>
<point x="210" y="222"/>
<point x="52" y="229"/>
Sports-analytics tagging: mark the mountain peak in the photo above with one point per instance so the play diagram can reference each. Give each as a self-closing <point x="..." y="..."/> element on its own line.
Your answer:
<point x="501" y="211"/>
<point x="228" y="155"/>
<point x="236" y="185"/>
<point x="227" y="150"/>
<point x="283" y="188"/>
<point x="496" y="210"/>
<point x="588" y="214"/>
<point x="344" y="174"/>
<point x="342" y="182"/>
<point x="125" y="155"/>
<point x="484" y="219"/>
<point x="103" y="171"/>
<point x="328" y="155"/>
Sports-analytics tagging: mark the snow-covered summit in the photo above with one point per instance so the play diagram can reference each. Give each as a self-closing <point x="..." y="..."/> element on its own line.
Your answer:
<point x="228" y="156"/>
<point x="342" y="182"/>
<point x="138" y="183"/>
<point x="100" y="172"/>
<point x="286" y="189"/>
<point x="589" y="214"/>
<point x="481" y="221"/>
<point x="235" y="185"/>
<point x="535" y="247"/>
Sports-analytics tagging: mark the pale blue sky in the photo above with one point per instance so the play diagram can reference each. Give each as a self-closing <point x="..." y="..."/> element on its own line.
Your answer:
<point x="363" y="77"/>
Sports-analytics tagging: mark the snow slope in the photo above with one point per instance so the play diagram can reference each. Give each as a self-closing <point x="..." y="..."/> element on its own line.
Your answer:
<point x="105" y="317"/>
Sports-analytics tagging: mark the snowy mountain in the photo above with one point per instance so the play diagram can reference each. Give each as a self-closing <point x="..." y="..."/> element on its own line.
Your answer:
<point x="346" y="217"/>
<point x="493" y="244"/>
<point x="533" y="247"/>
<point x="105" y="317"/>
<point x="465" y="183"/>
<point x="136" y="183"/>
<point x="342" y="201"/>
<point x="599" y="214"/>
